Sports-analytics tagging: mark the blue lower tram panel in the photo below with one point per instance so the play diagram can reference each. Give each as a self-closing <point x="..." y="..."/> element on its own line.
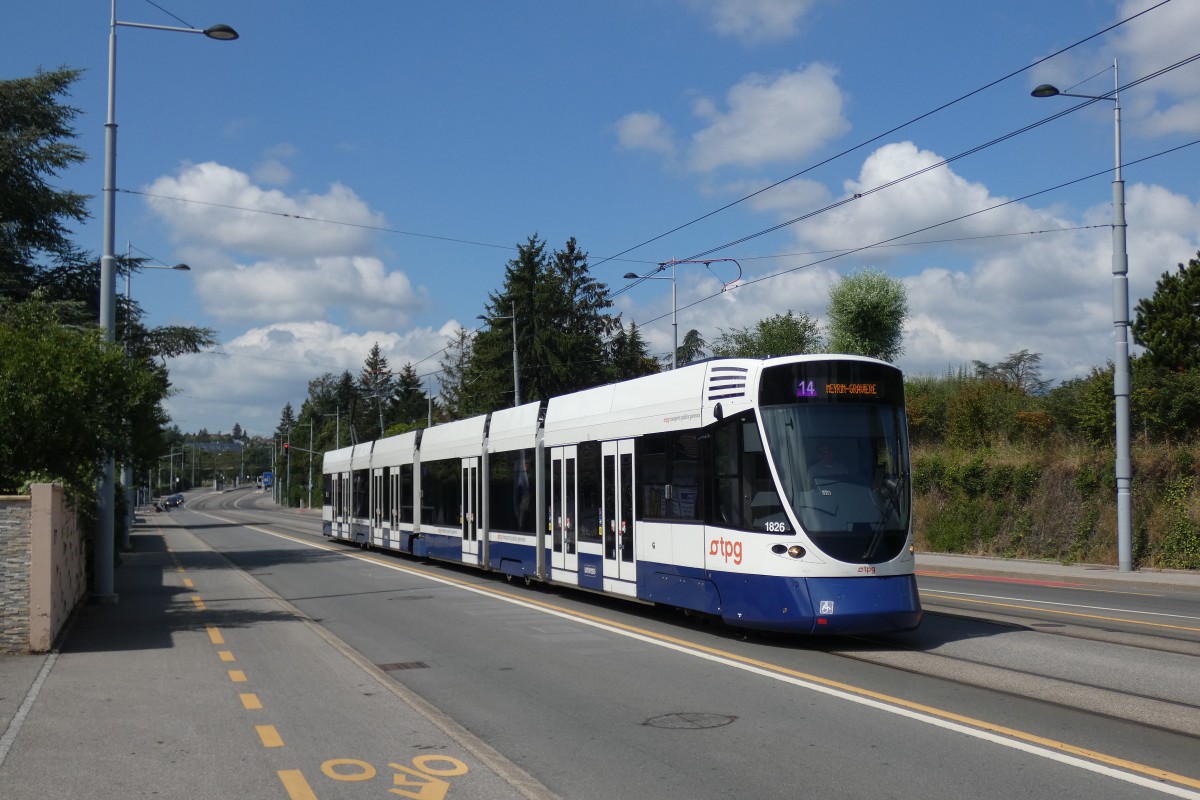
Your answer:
<point x="867" y="605"/>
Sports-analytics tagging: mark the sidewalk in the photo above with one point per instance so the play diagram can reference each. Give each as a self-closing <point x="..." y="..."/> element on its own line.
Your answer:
<point x="198" y="682"/>
<point x="1088" y="574"/>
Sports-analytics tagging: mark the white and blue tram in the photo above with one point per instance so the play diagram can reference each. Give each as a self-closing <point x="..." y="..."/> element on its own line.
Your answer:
<point x="772" y="493"/>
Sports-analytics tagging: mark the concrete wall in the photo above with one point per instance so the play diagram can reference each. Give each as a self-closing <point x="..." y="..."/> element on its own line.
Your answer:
<point x="43" y="568"/>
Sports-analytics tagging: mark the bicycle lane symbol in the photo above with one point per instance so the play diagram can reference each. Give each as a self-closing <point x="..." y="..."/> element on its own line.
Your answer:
<point x="424" y="780"/>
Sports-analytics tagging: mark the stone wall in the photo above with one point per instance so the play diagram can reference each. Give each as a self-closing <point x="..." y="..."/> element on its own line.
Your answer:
<point x="43" y="568"/>
<point x="16" y="552"/>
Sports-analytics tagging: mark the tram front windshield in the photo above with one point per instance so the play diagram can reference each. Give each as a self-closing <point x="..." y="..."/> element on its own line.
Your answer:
<point x="836" y="432"/>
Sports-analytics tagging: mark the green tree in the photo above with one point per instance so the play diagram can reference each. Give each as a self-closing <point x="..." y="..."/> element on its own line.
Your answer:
<point x="628" y="355"/>
<point x="780" y="335"/>
<point x="35" y="147"/>
<point x="456" y="391"/>
<point x="287" y="420"/>
<point x="67" y="397"/>
<point x="867" y="311"/>
<point x="410" y="405"/>
<point x="1085" y="407"/>
<point x="1167" y="324"/>
<point x="691" y="348"/>
<point x="376" y="382"/>
<point x="562" y="329"/>
<point x="1021" y="371"/>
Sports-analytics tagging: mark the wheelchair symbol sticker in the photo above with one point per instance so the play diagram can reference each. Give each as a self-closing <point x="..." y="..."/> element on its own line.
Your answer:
<point x="826" y="606"/>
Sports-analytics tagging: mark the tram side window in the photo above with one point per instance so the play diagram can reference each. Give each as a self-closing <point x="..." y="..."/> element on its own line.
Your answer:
<point x="441" y="490"/>
<point x="668" y="470"/>
<point x="327" y="490"/>
<point x="359" y="498"/>
<point x="406" y="493"/>
<point x="590" y="524"/>
<point x="386" y="488"/>
<point x="510" y="491"/>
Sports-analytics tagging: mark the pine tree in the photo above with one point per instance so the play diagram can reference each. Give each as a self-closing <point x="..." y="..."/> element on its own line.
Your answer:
<point x="1167" y="324"/>
<point x="628" y="357"/>
<point x="456" y="371"/>
<point x="377" y="385"/>
<point x="35" y="147"/>
<point x="409" y="402"/>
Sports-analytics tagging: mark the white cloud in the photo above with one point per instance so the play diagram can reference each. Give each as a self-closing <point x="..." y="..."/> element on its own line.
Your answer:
<point x="754" y="21"/>
<point x="770" y="119"/>
<point x="645" y="130"/>
<point x="311" y="270"/>
<point x="935" y="196"/>
<point x="1170" y="103"/>
<point x="277" y="361"/>
<point x="277" y="224"/>
<point x="308" y="289"/>
<point x="982" y="295"/>
<point x="272" y="171"/>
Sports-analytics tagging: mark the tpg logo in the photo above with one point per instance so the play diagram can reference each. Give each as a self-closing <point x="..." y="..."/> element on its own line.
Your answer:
<point x="727" y="548"/>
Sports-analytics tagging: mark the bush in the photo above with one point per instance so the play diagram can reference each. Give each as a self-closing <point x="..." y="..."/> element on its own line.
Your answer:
<point x="972" y="478"/>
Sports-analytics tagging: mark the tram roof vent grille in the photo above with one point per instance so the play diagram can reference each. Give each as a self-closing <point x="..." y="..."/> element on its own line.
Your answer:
<point x="725" y="383"/>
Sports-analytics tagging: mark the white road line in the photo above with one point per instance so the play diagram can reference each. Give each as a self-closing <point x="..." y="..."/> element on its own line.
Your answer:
<point x="988" y="736"/>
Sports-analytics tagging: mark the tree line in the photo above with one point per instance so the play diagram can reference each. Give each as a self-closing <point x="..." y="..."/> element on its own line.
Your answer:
<point x="567" y="339"/>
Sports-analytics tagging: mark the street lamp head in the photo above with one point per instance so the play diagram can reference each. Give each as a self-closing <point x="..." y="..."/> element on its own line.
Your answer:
<point x="630" y="276"/>
<point x="222" y="33"/>
<point x="1045" y="90"/>
<point x="182" y="267"/>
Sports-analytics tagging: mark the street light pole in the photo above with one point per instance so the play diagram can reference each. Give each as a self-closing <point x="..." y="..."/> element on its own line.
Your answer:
<point x="516" y="362"/>
<point x="630" y="276"/>
<point x="129" y="283"/>
<point x="127" y="471"/>
<point x="1120" y="302"/>
<point x="104" y="544"/>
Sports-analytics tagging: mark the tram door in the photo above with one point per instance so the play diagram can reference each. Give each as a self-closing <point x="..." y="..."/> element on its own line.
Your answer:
<point x="620" y="559"/>
<point x="564" y="511"/>
<point x="470" y="510"/>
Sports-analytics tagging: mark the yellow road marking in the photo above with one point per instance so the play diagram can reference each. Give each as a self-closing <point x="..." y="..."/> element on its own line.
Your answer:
<point x="269" y="736"/>
<point x="187" y="583"/>
<point x="250" y="701"/>
<point x="198" y="602"/>
<point x="237" y="676"/>
<point x="1079" y="614"/>
<point x="296" y="786"/>
<point x="226" y="655"/>
<point x="214" y="635"/>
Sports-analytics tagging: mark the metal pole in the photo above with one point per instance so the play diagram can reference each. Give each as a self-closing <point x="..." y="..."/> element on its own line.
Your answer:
<point x="1121" y="377"/>
<point x="674" y="320"/>
<point x="1120" y="299"/>
<point x="516" y="364"/>
<point x="310" y="443"/>
<point x="102" y="562"/>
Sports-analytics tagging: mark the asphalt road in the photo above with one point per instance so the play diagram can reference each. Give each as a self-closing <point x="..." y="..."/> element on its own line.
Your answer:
<point x="601" y="699"/>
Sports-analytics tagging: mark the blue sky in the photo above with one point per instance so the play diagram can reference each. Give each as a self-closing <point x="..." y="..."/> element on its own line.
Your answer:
<point x="357" y="173"/>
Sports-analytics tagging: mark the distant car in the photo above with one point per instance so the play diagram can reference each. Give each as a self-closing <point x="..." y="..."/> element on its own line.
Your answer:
<point x="175" y="500"/>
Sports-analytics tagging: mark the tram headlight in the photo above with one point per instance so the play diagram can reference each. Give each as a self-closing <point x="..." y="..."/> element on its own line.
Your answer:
<point x="795" y="551"/>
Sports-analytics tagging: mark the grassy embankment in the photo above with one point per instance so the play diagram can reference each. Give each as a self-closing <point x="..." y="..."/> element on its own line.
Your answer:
<point x="1038" y="502"/>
